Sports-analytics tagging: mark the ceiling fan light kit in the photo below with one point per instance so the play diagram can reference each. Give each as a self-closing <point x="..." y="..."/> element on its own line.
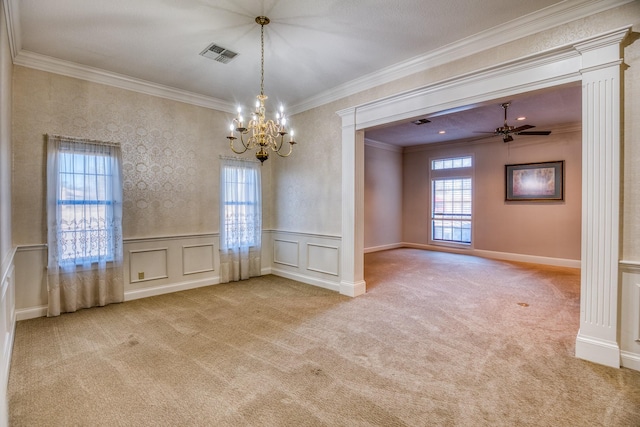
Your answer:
<point x="507" y="131"/>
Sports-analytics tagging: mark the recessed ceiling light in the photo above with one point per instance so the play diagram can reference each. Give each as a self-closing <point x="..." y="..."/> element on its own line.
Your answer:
<point x="442" y="132"/>
<point x="521" y="118"/>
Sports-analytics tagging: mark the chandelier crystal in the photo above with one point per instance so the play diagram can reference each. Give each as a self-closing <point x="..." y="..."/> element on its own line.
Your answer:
<point x="260" y="133"/>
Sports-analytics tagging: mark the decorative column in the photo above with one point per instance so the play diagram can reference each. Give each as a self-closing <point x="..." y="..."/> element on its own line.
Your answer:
<point x="597" y="339"/>
<point x="352" y="252"/>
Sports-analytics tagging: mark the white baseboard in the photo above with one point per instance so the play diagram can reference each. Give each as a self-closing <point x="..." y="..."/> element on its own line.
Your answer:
<point x="31" y="312"/>
<point x="598" y="351"/>
<point x="630" y="360"/>
<point x="383" y="247"/>
<point x="167" y="289"/>
<point x="353" y="289"/>
<point x="306" y="279"/>
<point x="505" y="256"/>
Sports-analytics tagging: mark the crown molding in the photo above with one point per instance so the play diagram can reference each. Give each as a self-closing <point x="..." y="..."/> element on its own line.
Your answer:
<point x="561" y="13"/>
<point x="382" y="145"/>
<point x="550" y="17"/>
<point x="12" y="18"/>
<point x="96" y="75"/>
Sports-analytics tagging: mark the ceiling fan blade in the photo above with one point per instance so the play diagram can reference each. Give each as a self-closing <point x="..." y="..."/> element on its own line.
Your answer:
<point x="521" y="128"/>
<point x="535" y="132"/>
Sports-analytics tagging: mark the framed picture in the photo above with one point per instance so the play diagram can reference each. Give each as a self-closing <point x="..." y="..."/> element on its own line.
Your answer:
<point x="535" y="181"/>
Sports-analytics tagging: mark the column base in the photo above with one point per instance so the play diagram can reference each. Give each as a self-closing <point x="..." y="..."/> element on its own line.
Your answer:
<point x="597" y="350"/>
<point x="353" y="289"/>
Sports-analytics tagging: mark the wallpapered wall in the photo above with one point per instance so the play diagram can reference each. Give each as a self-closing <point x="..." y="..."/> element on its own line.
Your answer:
<point x="170" y="153"/>
<point x="5" y="142"/>
<point x="307" y="191"/>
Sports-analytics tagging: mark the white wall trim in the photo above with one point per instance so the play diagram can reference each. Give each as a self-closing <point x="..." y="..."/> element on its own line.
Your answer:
<point x="170" y="237"/>
<point x="335" y="272"/>
<point x="553" y="67"/>
<point x="7" y="262"/>
<point x="205" y="270"/>
<point x="7" y="336"/>
<point x="12" y="15"/>
<point x="598" y="350"/>
<point x="32" y="247"/>
<point x="630" y="360"/>
<point x="165" y="274"/>
<point x="305" y="279"/>
<point x="290" y="263"/>
<point x="384" y="247"/>
<point x="536" y="22"/>
<point x="303" y="233"/>
<point x="134" y="294"/>
<point x="353" y="289"/>
<point x="382" y="145"/>
<point x="550" y="17"/>
<point x="505" y="256"/>
<point x="31" y="312"/>
<point x="630" y="266"/>
<point x="37" y="61"/>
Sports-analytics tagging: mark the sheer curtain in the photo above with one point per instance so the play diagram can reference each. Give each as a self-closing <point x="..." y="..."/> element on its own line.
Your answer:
<point x="84" y="224"/>
<point x="240" y="219"/>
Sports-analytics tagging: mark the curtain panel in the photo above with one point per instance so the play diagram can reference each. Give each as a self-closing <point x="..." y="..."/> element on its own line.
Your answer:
<point x="84" y="224"/>
<point x="240" y="219"/>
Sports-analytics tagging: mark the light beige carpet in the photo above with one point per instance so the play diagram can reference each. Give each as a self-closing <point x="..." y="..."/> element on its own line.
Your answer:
<point x="439" y="339"/>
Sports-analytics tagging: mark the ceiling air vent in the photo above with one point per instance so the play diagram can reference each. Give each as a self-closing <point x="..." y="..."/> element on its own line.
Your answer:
<point x="218" y="53"/>
<point x="421" y="121"/>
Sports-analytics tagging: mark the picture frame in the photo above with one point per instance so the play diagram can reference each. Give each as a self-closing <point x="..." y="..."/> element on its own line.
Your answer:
<point x="543" y="181"/>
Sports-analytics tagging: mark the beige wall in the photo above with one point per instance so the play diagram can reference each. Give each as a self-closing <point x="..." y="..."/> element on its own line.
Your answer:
<point x="6" y="68"/>
<point x="631" y="152"/>
<point x="307" y="194"/>
<point x="546" y="229"/>
<point x="170" y="154"/>
<point x="382" y="196"/>
<point x="321" y="129"/>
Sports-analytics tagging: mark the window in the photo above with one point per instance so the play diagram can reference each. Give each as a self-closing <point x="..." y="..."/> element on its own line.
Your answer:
<point x="240" y="202"/>
<point x="84" y="187"/>
<point x="451" y="163"/>
<point x="451" y="200"/>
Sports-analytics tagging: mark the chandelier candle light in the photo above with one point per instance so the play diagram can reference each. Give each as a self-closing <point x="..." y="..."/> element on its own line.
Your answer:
<point x="263" y="134"/>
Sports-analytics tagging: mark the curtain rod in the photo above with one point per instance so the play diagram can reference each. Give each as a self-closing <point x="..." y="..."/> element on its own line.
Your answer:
<point x="83" y="140"/>
<point x="223" y="157"/>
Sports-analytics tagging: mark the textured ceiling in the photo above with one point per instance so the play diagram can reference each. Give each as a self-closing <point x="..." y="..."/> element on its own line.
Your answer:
<point x="552" y="109"/>
<point x="311" y="46"/>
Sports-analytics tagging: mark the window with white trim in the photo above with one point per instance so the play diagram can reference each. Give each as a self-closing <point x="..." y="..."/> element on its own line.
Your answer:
<point x="451" y="200"/>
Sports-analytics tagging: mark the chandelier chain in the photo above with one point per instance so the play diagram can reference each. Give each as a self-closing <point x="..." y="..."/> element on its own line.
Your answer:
<point x="262" y="59"/>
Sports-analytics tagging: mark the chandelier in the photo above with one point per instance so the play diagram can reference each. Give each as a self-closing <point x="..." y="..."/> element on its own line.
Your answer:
<point x="259" y="132"/>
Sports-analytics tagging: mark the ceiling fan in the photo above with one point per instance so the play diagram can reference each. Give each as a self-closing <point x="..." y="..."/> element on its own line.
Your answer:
<point x="506" y="131"/>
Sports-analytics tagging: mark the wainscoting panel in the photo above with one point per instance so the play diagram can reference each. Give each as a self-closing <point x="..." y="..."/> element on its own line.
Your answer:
<point x="148" y="264"/>
<point x="31" y="281"/>
<point x="308" y="258"/>
<point x="323" y="258"/>
<point x="286" y="252"/>
<point x="170" y="264"/>
<point x="181" y="262"/>
<point x="7" y="323"/>
<point x="198" y="259"/>
<point x="630" y="315"/>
